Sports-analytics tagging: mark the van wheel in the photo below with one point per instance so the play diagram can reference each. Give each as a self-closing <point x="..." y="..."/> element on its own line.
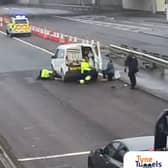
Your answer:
<point x="10" y="35"/>
<point x="7" y="33"/>
<point x="63" y="76"/>
<point x="90" y="163"/>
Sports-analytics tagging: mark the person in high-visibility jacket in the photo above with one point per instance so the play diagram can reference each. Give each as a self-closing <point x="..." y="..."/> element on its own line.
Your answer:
<point x="87" y="72"/>
<point x="46" y="74"/>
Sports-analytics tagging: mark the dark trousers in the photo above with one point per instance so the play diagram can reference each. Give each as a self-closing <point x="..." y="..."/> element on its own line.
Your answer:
<point x="132" y="77"/>
<point x="91" y="73"/>
<point x="109" y="75"/>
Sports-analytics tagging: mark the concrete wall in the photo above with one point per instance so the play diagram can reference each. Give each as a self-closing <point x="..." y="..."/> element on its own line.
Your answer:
<point x="138" y="4"/>
<point x="7" y="1"/>
<point x="34" y="1"/>
<point x="85" y="2"/>
<point x="160" y="5"/>
<point x="23" y="1"/>
<point x="67" y="2"/>
<point x="146" y="5"/>
<point x="126" y="4"/>
<point x="111" y="2"/>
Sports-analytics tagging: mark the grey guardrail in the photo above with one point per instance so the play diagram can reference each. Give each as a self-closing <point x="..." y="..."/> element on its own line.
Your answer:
<point x="7" y="157"/>
<point x="161" y="62"/>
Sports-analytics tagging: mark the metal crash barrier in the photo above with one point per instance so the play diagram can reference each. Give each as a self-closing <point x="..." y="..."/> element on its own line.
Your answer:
<point x="7" y="158"/>
<point x="146" y="59"/>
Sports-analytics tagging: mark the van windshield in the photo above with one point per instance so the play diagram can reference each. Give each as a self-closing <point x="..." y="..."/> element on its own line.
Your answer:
<point x="59" y="53"/>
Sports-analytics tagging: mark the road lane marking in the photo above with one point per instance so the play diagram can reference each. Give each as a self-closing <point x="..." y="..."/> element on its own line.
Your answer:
<point x="2" y="32"/>
<point x="34" y="46"/>
<point x="5" y="159"/>
<point x="6" y="8"/>
<point x="54" y="156"/>
<point x="15" y="8"/>
<point x="30" y="44"/>
<point x="119" y="26"/>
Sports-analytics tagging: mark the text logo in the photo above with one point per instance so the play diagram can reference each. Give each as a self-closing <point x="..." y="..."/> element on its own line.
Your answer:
<point x="146" y="160"/>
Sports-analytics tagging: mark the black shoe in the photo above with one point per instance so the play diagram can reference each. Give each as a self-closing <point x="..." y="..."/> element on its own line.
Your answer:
<point x="132" y="87"/>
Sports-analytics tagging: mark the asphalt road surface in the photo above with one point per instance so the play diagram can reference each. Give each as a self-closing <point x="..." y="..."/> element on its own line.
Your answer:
<point x="15" y="10"/>
<point x="151" y="38"/>
<point x="144" y="33"/>
<point x="43" y="118"/>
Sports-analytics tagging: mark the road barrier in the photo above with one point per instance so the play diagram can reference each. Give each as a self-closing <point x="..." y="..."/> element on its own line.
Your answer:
<point x="155" y="61"/>
<point x="152" y="61"/>
<point x="49" y="34"/>
<point x="55" y="36"/>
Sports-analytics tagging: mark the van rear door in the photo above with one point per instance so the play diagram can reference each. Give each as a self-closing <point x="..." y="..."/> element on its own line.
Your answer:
<point x="73" y="58"/>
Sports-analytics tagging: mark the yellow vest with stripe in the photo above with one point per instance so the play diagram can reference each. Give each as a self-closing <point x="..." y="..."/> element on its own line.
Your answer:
<point x="85" y="66"/>
<point x="45" y="73"/>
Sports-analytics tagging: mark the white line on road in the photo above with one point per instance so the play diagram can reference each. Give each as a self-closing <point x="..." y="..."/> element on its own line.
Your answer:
<point x="54" y="156"/>
<point x="118" y="26"/>
<point x="15" y="8"/>
<point x="6" y="8"/>
<point x="2" y="32"/>
<point x="30" y="44"/>
<point x="35" y="46"/>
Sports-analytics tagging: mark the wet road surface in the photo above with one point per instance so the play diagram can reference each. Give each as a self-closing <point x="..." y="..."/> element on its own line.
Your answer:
<point x="41" y="118"/>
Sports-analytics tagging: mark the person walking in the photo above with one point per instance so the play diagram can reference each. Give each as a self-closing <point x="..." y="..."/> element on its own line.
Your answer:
<point x="132" y="63"/>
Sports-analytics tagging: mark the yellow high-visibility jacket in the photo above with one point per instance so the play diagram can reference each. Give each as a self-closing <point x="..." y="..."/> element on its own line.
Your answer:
<point x="85" y="66"/>
<point x="45" y="73"/>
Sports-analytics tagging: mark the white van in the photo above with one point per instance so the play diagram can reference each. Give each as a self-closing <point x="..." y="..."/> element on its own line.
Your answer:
<point x="66" y="61"/>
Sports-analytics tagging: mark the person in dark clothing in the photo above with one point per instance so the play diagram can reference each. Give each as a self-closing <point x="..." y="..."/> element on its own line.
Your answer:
<point x="132" y="63"/>
<point x="109" y="71"/>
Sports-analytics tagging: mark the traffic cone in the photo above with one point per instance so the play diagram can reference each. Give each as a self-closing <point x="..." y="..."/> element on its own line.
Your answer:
<point x="62" y="39"/>
<point x="33" y="29"/>
<point x="46" y="34"/>
<point x="75" y="40"/>
<point x="37" y="31"/>
<point x="6" y="20"/>
<point x="41" y="32"/>
<point x="54" y="36"/>
<point x="92" y="42"/>
<point x="69" y="39"/>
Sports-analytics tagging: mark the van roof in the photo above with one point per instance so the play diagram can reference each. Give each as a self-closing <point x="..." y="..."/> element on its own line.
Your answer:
<point x="73" y="45"/>
<point x="138" y="143"/>
<point x="142" y="143"/>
